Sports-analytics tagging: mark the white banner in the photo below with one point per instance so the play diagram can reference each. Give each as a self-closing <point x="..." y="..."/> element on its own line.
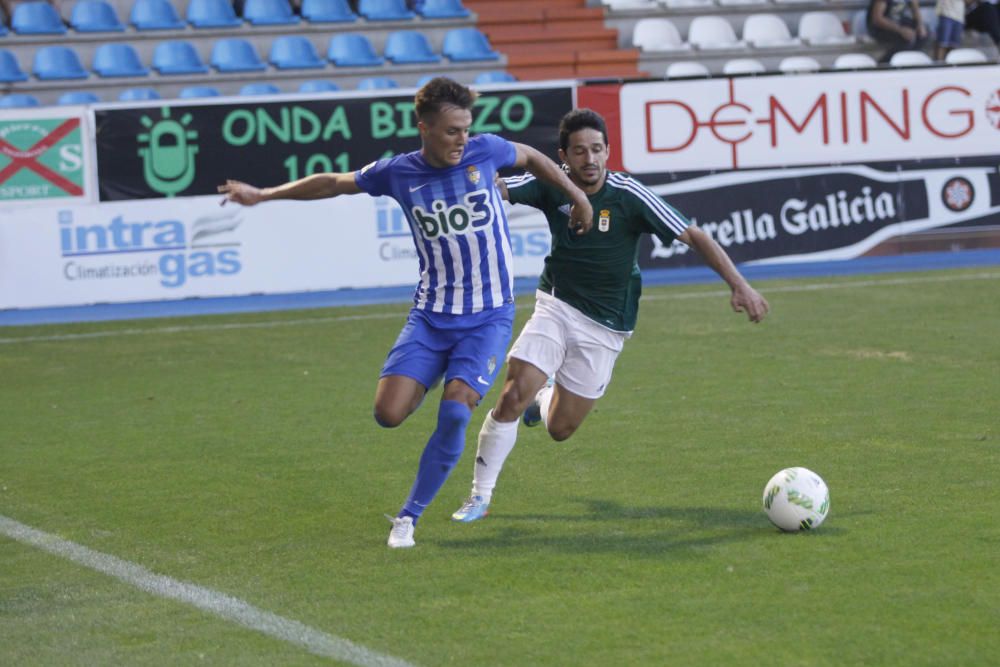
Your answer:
<point x="780" y="121"/>
<point x="192" y="247"/>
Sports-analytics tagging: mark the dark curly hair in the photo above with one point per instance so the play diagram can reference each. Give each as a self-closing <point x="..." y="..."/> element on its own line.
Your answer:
<point x="580" y="119"/>
<point x="440" y="92"/>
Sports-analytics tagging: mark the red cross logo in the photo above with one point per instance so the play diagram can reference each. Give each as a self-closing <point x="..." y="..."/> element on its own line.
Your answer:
<point x="28" y="158"/>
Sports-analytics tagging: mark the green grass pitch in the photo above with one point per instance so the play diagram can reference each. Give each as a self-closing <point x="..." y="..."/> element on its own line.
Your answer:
<point x="239" y="453"/>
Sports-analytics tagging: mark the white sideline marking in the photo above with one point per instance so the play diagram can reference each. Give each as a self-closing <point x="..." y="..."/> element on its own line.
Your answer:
<point x="400" y="315"/>
<point x="220" y="604"/>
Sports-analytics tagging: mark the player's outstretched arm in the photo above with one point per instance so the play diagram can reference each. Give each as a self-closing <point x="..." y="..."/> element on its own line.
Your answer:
<point x="581" y="215"/>
<point x="745" y="299"/>
<point x="317" y="186"/>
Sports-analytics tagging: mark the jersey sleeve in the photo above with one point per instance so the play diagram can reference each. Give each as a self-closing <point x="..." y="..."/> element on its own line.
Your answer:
<point x="655" y="215"/>
<point x="373" y="178"/>
<point x="502" y="151"/>
<point x="526" y="189"/>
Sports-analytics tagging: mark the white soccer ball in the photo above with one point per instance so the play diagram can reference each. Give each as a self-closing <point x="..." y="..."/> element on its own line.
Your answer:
<point x="796" y="499"/>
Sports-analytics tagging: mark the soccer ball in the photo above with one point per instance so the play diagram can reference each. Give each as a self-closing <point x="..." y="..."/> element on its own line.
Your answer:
<point x="796" y="499"/>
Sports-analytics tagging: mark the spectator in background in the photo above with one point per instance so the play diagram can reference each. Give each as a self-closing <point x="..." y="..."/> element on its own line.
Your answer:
<point x="950" y="21"/>
<point x="984" y="16"/>
<point x="896" y="24"/>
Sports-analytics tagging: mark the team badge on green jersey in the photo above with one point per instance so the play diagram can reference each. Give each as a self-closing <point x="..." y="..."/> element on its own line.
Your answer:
<point x="604" y="222"/>
<point x="473" y="174"/>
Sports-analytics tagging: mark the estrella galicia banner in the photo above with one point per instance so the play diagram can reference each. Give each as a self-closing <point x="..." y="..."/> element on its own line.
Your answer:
<point x="184" y="150"/>
<point x="41" y="158"/>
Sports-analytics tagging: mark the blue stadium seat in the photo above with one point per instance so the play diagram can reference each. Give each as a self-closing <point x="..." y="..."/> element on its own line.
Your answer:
<point x="318" y="87"/>
<point x="138" y="95"/>
<point x="18" y="101"/>
<point x="10" y="69"/>
<point x="350" y="49"/>
<point x="465" y="44"/>
<point x="154" y="15"/>
<point x="260" y="89"/>
<point x="269" y="12"/>
<point x="236" y="55"/>
<point x="425" y="79"/>
<point x="377" y="83"/>
<point x="117" y="59"/>
<point x="3" y="29"/>
<point x="94" y="16"/>
<point x="328" y="11"/>
<point x="409" y="46"/>
<point x="495" y="77"/>
<point x="192" y="92"/>
<point x="177" y="57"/>
<point x="78" y="97"/>
<point x="57" y="62"/>
<point x="443" y="9"/>
<point x="384" y="10"/>
<point x="212" y="14"/>
<point x="294" y="52"/>
<point x="36" y="18"/>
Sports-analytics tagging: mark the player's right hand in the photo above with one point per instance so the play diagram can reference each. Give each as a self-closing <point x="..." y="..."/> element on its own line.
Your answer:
<point x="581" y="217"/>
<point x="240" y="193"/>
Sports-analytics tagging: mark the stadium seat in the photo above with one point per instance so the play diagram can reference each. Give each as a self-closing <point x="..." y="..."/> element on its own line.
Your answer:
<point x="328" y="11"/>
<point x="495" y="77"/>
<point x="409" y="46"/>
<point x="467" y="44"/>
<point x="425" y="79"/>
<point x="154" y="15"/>
<point x="768" y="31"/>
<point x="10" y="69"/>
<point x="798" y="65"/>
<point x="443" y="9"/>
<point x="212" y="14"/>
<point x="740" y="3"/>
<point x="192" y="92"/>
<point x="629" y="5"/>
<point x="36" y="18"/>
<point x="854" y="61"/>
<point x="384" y="10"/>
<point x="177" y="57"/>
<point x="116" y="59"/>
<point x="685" y="4"/>
<point x="138" y="95"/>
<point x="319" y="86"/>
<point x="377" y="83"/>
<point x="294" y="52"/>
<point x="78" y="97"/>
<point x="3" y="29"/>
<point x="351" y="49"/>
<point x="713" y="33"/>
<point x="263" y="88"/>
<point x="94" y="16"/>
<point x="18" y="101"/>
<point x="744" y="66"/>
<point x="657" y="34"/>
<point x="269" y="12"/>
<point x="236" y="55"/>
<point x="57" y="62"/>
<point x="965" y="57"/>
<point x="823" y="28"/>
<point x="910" y="59"/>
<point x="686" y="69"/>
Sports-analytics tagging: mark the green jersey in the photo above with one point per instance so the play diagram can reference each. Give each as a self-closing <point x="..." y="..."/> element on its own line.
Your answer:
<point x="597" y="273"/>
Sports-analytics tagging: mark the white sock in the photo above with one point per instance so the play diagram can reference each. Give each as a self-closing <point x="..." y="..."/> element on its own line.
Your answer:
<point x="496" y="440"/>
<point x="544" y="397"/>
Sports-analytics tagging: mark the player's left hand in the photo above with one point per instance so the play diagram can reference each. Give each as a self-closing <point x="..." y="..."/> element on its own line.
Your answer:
<point x="581" y="216"/>
<point x="748" y="300"/>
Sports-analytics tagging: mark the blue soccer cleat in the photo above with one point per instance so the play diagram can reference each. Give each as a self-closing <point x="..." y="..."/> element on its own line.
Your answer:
<point x="473" y="509"/>
<point x="533" y="413"/>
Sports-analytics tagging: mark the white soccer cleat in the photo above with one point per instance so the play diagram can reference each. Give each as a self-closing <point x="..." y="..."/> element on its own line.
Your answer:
<point x="473" y="509"/>
<point x="401" y="535"/>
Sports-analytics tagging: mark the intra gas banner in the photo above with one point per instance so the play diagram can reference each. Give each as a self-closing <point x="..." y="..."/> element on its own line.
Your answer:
<point x="40" y="157"/>
<point x="830" y="118"/>
<point x="183" y="150"/>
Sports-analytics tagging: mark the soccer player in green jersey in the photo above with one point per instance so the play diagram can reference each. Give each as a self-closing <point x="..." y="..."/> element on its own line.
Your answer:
<point x="587" y="299"/>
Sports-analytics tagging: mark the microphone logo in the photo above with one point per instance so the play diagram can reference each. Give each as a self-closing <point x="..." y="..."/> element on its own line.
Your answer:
<point x="167" y="151"/>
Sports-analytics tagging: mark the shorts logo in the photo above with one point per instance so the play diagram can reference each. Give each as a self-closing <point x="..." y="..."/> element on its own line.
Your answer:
<point x="604" y="222"/>
<point x="958" y="194"/>
<point x="472" y="173"/>
<point x="491" y="365"/>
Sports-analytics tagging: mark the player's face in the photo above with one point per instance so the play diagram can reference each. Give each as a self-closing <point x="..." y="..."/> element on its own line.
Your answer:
<point x="444" y="135"/>
<point x="586" y="155"/>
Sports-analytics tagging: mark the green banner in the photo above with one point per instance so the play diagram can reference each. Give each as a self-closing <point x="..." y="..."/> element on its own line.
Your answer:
<point x="41" y="159"/>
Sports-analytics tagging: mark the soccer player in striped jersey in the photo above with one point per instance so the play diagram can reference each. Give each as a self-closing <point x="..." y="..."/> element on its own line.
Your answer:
<point x="463" y="312"/>
<point x="587" y="299"/>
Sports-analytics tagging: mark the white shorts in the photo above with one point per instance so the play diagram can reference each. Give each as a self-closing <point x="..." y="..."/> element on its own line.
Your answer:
<point x="563" y="342"/>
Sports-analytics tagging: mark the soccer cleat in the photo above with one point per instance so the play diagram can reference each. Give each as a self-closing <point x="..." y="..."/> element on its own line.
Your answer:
<point x="533" y="413"/>
<point x="475" y="508"/>
<point x="401" y="535"/>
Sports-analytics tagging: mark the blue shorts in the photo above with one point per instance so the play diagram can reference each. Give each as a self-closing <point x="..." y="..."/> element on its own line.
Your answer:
<point x="949" y="31"/>
<point x="469" y="348"/>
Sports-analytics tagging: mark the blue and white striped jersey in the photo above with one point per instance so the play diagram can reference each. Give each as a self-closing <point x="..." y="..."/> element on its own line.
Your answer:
<point x="458" y="224"/>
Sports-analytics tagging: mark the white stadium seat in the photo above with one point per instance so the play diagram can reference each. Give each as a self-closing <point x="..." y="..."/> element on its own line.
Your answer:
<point x="685" y="69"/>
<point x="656" y="34"/>
<point x="713" y="32"/>
<point x="821" y="28"/>
<point x="768" y="31"/>
<point x="965" y="57"/>
<point x="738" y="3"/>
<point x="615" y="5"/>
<point x="854" y="61"/>
<point x="910" y="59"/>
<point x="744" y="66"/>
<point x="685" y="4"/>
<point x="798" y="65"/>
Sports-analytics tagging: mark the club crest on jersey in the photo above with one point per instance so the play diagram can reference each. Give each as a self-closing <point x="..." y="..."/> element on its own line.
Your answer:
<point x="472" y="173"/>
<point x="604" y="222"/>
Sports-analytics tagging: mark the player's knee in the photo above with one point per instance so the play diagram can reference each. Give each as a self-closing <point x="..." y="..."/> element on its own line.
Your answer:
<point x="560" y="432"/>
<point x="387" y="417"/>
